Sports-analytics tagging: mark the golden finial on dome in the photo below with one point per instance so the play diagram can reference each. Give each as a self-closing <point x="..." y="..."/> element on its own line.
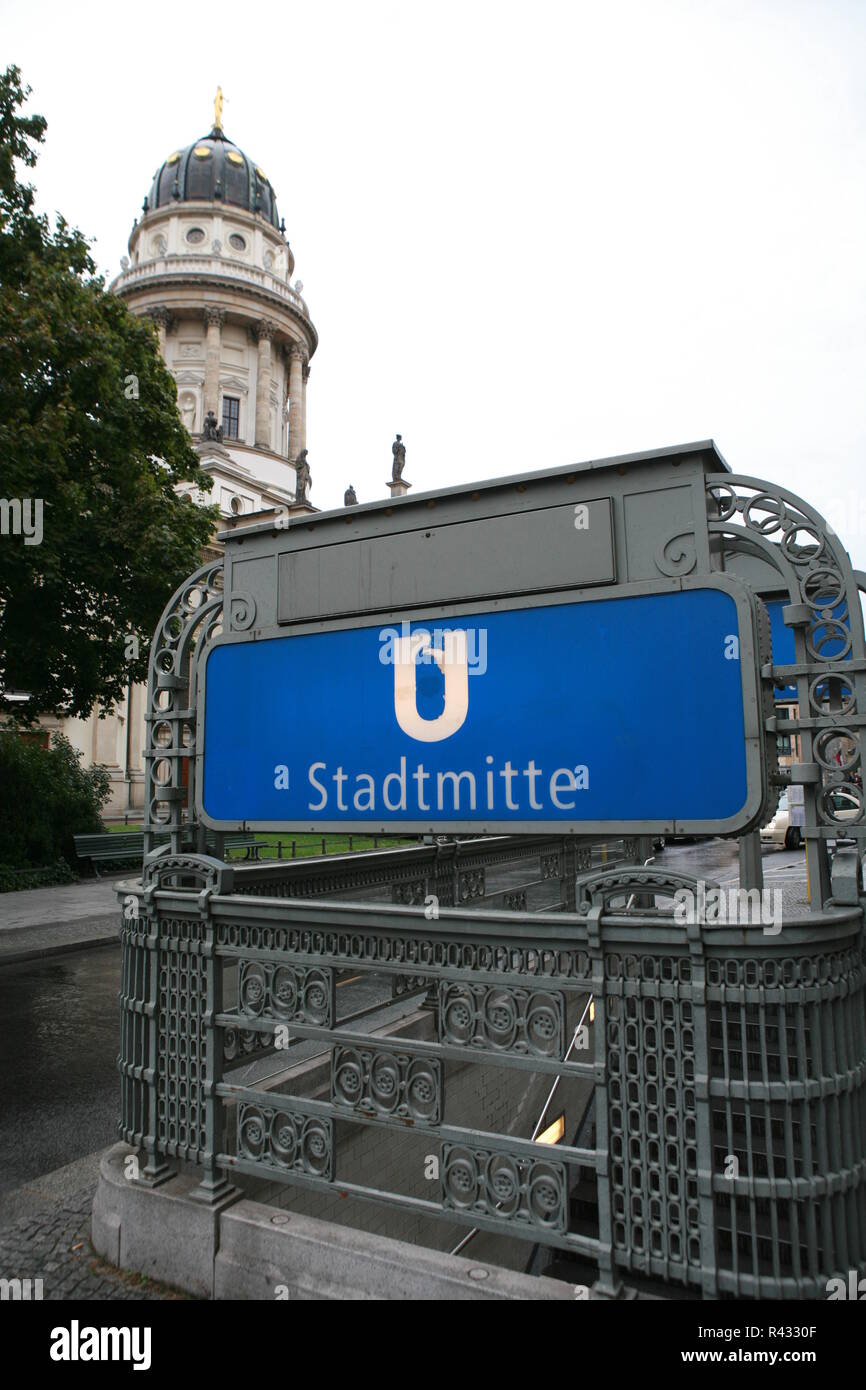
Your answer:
<point x="218" y="109"/>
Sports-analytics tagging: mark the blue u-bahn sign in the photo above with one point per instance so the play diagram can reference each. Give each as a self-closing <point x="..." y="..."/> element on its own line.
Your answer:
<point x="567" y="715"/>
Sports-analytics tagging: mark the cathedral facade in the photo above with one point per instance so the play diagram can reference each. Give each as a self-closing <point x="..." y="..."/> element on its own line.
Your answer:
<point x="208" y="261"/>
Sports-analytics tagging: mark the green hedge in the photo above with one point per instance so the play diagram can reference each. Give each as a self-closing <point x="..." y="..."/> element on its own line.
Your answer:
<point x="13" y="880"/>
<point x="46" y="798"/>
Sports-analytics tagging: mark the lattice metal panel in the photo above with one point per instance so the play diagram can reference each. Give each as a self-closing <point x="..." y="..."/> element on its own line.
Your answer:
<point x="135" y="1030"/>
<point x="788" y="1067"/>
<point x="182" y="1002"/>
<point x="652" y="1113"/>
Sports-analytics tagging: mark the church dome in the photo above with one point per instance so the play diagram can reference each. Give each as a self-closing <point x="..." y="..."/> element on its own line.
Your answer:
<point x="213" y="169"/>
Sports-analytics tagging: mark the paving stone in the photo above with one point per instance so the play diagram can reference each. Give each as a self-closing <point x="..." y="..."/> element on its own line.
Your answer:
<point x="43" y="1247"/>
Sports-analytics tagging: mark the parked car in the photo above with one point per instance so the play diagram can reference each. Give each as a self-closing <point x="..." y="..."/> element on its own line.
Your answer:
<point x="780" y="831"/>
<point x="843" y="805"/>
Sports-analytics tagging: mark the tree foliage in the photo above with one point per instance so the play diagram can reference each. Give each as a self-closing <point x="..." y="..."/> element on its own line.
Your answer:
<point x="46" y="798"/>
<point x="88" y="424"/>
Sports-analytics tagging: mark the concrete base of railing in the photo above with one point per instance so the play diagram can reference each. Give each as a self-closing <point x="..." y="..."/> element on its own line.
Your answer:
<point x="243" y="1249"/>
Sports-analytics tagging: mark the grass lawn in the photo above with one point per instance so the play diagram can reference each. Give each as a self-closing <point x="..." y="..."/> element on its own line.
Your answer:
<point x="305" y="845"/>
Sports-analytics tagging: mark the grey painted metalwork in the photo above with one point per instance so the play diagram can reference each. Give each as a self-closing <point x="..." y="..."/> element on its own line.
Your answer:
<point x="728" y="1068"/>
<point x="824" y="611"/>
<point x="676" y="513"/>
<point x="727" y="1064"/>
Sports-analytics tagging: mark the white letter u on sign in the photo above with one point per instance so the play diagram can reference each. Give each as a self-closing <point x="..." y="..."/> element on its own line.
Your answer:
<point x="454" y="665"/>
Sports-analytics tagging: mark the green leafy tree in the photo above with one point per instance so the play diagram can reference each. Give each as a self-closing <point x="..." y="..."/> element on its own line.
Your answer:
<point x="89" y="426"/>
<point x="46" y="798"/>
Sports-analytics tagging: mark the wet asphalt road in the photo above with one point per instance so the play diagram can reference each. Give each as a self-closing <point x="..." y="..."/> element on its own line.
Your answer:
<point x="58" y="1072"/>
<point x="58" y="1075"/>
<point x="59" y="1040"/>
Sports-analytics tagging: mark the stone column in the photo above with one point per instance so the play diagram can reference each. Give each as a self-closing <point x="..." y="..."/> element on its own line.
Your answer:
<point x="264" y="332"/>
<point x="162" y="319"/>
<point x="297" y="360"/>
<point x="214" y="318"/>
<point x="304" y="406"/>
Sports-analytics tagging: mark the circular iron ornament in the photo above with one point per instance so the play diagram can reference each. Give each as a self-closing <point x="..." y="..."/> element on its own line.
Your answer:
<point x="459" y="1178"/>
<point x="284" y="991"/>
<point x="316" y="999"/>
<point x="421" y="1090"/>
<point x="830" y="817"/>
<point x="162" y="772"/>
<point x="251" y="1133"/>
<point x="162" y="735"/>
<point x="726" y="500"/>
<point x="776" y="518"/>
<point x="284" y="1139"/>
<point x="385" y="1082"/>
<point x="192" y="600"/>
<point x="545" y="1195"/>
<point x="500" y="1017"/>
<point x="827" y="632"/>
<point x="503" y="1183"/>
<point x="349" y="1078"/>
<point x="804" y="554"/>
<point x="458" y="1019"/>
<point x="253" y="986"/>
<point x="315" y="1148"/>
<point x="542" y="1023"/>
<point x="172" y="629"/>
<point x="825" y="682"/>
<point x="824" y="589"/>
<point x="848" y="759"/>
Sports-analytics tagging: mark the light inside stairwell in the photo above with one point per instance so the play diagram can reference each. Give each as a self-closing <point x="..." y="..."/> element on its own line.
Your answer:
<point x="553" y="1133"/>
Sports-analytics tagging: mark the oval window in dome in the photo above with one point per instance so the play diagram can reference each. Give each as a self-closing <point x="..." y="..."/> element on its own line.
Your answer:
<point x="236" y="242"/>
<point x="195" y="235"/>
<point x="202" y="152"/>
<point x="234" y="157"/>
<point x="173" y="158"/>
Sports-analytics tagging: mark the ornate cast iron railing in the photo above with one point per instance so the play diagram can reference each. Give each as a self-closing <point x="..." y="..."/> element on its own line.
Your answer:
<point x="728" y="1075"/>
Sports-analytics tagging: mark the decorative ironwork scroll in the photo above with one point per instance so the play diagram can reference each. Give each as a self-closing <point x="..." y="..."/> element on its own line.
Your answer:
<point x="830" y="668"/>
<point x="191" y="619"/>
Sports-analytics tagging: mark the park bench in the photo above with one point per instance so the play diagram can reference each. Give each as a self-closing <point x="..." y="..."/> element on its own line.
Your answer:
<point x="129" y="845"/>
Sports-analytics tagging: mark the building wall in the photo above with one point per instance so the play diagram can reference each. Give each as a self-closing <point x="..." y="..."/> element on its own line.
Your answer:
<point x="186" y="259"/>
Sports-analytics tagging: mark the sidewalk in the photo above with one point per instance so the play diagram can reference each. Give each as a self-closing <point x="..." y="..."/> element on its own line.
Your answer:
<point x="40" y="921"/>
<point x="53" y="1242"/>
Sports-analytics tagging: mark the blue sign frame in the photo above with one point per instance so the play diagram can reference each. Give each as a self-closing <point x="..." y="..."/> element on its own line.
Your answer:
<point x="635" y="712"/>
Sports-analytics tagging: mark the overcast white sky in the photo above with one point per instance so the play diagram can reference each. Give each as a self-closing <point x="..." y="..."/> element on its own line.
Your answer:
<point x="529" y="234"/>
